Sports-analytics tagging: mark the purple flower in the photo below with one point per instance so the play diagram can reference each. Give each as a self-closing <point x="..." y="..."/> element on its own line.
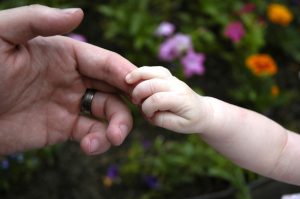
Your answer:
<point x="146" y="144"/>
<point x="193" y="63"/>
<point x="5" y="164"/>
<point x="295" y="2"/>
<point x="174" y="47"/>
<point x="165" y="29"/>
<point x="112" y="172"/>
<point x="19" y="157"/>
<point x="151" y="182"/>
<point x="77" y="37"/>
<point x="235" y="31"/>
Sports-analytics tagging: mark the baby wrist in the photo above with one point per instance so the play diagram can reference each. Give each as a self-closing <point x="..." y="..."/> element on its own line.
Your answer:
<point x="205" y="115"/>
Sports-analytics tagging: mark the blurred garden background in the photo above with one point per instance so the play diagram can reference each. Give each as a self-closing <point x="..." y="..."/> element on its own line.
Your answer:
<point x="243" y="52"/>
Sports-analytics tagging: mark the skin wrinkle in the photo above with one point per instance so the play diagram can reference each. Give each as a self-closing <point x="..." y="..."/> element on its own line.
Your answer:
<point x="60" y="53"/>
<point x="106" y="62"/>
<point x="57" y="102"/>
<point x="27" y="84"/>
<point x="8" y="46"/>
<point x="47" y="137"/>
<point x="64" y="102"/>
<point x="39" y="126"/>
<point x="161" y="122"/>
<point x="90" y="130"/>
<point x="107" y="99"/>
<point x="73" y="132"/>
<point x="151" y="86"/>
<point x="212" y="117"/>
<point x="112" y="115"/>
<point x="276" y="167"/>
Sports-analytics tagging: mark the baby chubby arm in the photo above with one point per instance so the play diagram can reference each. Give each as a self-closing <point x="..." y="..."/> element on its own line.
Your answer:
<point x="253" y="141"/>
<point x="249" y="139"/>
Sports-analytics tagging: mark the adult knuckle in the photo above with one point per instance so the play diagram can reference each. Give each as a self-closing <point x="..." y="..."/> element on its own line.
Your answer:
<point x="108" y="60"/>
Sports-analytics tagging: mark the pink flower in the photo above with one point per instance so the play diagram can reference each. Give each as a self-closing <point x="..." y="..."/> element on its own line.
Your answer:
<point x="77" y="37"/>
<point x="193" y="63"/>
<point x="174" y="46"/>
<point x="165" y="29"/>
<point x="235" y="31"/>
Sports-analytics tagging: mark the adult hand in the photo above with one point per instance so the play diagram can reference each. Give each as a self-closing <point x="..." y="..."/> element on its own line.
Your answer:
<point x="43" y="78"/>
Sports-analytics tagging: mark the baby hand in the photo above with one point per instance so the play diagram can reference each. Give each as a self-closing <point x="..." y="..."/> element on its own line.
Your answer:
<point x="166" y="101"/>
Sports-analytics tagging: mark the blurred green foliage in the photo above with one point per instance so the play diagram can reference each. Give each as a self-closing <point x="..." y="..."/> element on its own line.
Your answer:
<point x="177" y="164"/>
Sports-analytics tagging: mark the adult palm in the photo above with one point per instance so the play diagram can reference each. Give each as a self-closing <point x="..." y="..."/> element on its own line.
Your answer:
<point x="43" y="78"/>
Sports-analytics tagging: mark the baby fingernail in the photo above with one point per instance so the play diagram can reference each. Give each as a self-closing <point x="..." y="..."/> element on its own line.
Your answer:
<point x="71" y="10"/>
<point x="128" y="78"/>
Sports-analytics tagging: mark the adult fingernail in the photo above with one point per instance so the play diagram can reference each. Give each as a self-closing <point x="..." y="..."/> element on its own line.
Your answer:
<point x="94" y="146"/>
<point x="124" y="131"/>
<point x="71" y="10"/>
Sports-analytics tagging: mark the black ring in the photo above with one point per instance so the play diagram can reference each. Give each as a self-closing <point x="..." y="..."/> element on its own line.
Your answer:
<point x="86" y="102"/>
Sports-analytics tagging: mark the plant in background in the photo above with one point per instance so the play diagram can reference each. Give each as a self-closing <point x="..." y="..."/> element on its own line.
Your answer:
<point x="11" y="164"/>
<point x="20" y="168"/>
<point x="275" y="91"/>
<point x="235" y="31"/>
<point x="174" y="47"/>
<point x="188" y="166"/>
<point x="262" y="65"/>
<point x="165" y="29"/>
<point x="193" y="63"/>
<point x="179" y="46"/>
<point x="112" y="176"/>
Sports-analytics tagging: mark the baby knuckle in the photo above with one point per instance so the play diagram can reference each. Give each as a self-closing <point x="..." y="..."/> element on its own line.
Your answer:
<point x="152" y="86"/>
<point x="165" y="70"/>
<point x="161" y="121"/>
<point x="156" y="98"/>
<point x="35" y="6"/>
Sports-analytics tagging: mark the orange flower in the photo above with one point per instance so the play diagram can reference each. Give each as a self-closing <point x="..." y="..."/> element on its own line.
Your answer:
<point x="279" y="14"/>
<point x="275" y="91"/>
<point x="261" y="64"/>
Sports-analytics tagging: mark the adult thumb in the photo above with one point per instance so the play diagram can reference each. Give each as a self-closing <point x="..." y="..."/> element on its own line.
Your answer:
<point x="19" y="25"/>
